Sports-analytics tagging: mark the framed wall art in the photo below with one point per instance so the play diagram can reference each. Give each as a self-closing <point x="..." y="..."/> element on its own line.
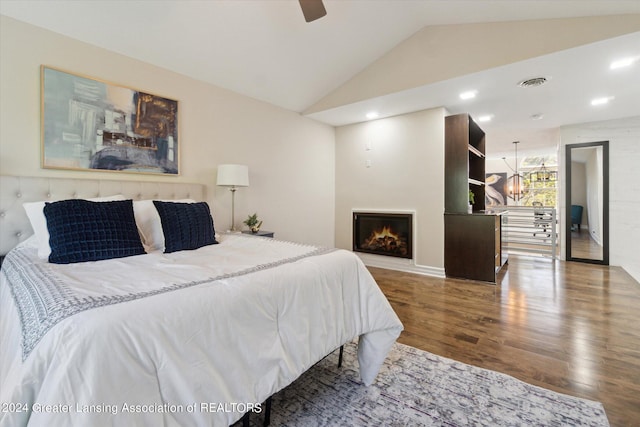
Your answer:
<point x="495" y="189"/>
<point x="90" y="124"/>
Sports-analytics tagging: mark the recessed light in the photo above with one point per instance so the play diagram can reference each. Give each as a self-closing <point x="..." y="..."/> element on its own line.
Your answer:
<point x="601" y="101"/>
<point x="372" y="115"/>
<point x="485" y="118"/>
<point x="468" y="94"/>
<point x="538" y="116"/>
<point x="621" y="63"/>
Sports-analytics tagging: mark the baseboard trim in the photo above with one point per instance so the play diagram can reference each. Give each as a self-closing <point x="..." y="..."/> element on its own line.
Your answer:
<point x="400" y="264"/>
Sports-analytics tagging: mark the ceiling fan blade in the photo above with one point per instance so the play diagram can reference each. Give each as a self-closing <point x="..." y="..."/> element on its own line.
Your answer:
<point x="312" y="9"/>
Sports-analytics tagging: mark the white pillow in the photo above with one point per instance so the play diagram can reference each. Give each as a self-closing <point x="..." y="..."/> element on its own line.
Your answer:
<point x="149" y="224"/>
<point x="35" y="212"/>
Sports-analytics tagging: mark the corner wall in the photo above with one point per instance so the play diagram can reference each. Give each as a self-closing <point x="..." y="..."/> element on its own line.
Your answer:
<point x="406" y="173"/>
<point x="290" y="158"/>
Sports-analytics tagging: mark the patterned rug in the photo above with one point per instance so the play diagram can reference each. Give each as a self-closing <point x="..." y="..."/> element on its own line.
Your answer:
<point x="417" y="388"/>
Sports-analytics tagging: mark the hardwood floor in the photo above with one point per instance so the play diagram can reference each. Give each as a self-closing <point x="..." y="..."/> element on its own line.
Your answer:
<point x="565" y="326"/>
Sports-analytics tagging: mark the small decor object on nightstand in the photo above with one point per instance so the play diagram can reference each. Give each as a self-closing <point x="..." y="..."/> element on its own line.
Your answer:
<point x="253" y="223"/>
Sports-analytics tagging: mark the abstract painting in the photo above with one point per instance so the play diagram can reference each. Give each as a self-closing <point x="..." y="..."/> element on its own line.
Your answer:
<point x="495" y="190"/>
<point x="89" y="124"/>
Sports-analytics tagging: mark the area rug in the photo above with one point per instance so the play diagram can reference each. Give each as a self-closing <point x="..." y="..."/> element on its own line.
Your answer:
<point x="417" y="388"/>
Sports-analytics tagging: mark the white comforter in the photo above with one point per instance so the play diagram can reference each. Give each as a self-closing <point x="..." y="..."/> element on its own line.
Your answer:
<point x="213" y="335"/>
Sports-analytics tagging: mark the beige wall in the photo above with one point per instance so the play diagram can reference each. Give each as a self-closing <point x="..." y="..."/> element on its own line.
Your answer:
<point x="406" y="174"/>
<point x="290" y="158"/>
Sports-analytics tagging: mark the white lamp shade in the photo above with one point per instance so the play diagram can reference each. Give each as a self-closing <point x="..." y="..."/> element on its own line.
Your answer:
<point x="233" y="176"/>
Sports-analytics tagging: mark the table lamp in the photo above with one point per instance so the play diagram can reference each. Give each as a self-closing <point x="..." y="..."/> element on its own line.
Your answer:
<point x="233" y="176"/>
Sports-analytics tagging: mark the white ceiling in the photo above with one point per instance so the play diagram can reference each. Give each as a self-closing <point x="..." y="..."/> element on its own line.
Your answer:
<point x="265" y="50"/>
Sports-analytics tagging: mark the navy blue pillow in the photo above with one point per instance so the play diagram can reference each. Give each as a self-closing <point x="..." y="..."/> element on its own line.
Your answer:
<point x="81" y="230"/>
<point x="185" y="226"/>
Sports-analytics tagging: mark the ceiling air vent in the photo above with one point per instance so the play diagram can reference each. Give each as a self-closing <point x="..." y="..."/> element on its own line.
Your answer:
<point x="536" y="81"/>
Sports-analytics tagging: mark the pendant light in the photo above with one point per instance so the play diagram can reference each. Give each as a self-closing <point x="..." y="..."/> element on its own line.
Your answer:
<point x="515" y="183"/>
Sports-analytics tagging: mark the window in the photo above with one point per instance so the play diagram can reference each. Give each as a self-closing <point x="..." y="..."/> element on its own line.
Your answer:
<point x="540" y="175"/>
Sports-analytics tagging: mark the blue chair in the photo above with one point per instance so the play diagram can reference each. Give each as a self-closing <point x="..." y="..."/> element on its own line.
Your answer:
<point x="576" y="216"/>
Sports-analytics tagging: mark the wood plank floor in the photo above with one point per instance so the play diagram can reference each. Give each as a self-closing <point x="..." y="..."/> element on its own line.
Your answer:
<point x="565" y="326"/>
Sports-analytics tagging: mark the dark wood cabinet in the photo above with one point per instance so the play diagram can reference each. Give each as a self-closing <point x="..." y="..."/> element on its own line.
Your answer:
<point x="473" y="242"/>
<point x="473" y="246"/>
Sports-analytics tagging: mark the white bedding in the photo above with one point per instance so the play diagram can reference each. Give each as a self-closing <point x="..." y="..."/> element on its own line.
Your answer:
<point x="176" y="332"/>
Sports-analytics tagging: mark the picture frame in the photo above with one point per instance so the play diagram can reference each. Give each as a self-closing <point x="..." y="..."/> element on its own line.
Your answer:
<point x="94" y="125"/>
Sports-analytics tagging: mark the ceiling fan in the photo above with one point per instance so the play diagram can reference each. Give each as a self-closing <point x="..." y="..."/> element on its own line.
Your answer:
<point x="312" y="9"/>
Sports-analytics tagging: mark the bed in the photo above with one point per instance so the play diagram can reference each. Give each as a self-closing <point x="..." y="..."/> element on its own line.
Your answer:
<point x="187" y="338"/>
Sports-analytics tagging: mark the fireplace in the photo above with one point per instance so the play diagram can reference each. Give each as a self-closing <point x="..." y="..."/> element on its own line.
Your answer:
<point x="383" y="234"/>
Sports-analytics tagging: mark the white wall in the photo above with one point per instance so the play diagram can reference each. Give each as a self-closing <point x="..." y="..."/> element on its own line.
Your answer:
<point x="290" y="158"/>
<point x="406" y="173"/>
<point x="624" y="184"/>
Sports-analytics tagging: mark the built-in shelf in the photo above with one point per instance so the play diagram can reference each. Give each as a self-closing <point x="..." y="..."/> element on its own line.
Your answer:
<point x="475" y="151"/>
<point x="464" y="164"/>
<point x="473" y="243"/>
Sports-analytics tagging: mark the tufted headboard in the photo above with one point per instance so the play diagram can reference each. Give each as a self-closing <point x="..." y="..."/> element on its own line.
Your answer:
<point x="16" y="190"/>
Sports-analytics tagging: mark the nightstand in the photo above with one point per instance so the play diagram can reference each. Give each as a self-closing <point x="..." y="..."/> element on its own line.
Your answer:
<point x="261" y="233"/>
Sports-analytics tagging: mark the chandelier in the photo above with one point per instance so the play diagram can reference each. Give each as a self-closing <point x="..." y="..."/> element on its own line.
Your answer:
<point x="515" y="183"/>
<point x="544" y="175"/>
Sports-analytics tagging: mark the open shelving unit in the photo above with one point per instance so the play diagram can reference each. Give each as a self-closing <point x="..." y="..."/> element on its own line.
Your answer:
<point x="464" y="164"/>
<point x="473" y="241"/>
<point x="476" y="168"/>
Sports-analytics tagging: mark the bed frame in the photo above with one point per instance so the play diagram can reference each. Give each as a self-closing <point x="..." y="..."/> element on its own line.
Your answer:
<point x="16" y="190"/>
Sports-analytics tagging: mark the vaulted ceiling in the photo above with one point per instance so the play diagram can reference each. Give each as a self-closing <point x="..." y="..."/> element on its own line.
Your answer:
<point x="390" y="56"/>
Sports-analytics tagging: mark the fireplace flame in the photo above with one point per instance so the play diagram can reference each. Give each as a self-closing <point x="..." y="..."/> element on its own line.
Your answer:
<point x="388" y="234"/>
<point x="382" y="234"/>
<point x="385" y="240"/>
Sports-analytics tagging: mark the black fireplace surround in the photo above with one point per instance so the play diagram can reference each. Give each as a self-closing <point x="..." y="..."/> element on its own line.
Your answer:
<point x="387" y="234"/>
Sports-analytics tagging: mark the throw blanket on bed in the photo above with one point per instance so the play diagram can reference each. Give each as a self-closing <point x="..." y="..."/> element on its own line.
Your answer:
<point x="47" y="293"/>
